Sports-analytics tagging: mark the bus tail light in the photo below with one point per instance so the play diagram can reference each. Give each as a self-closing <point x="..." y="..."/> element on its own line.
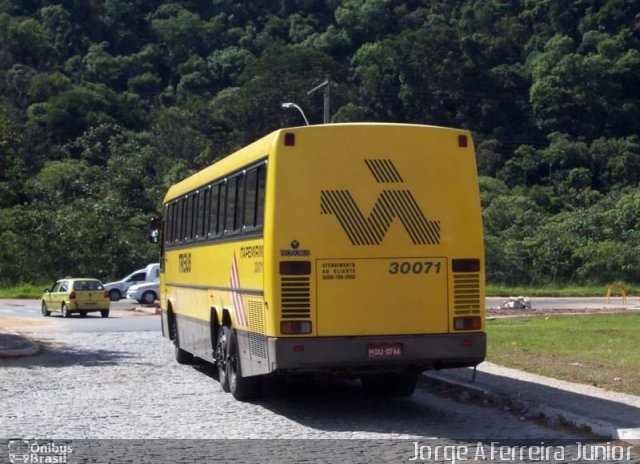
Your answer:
<point x="72" y="295"/>
<point x="465" y="265"/>
<point x="295" y="327"/>
<point x="295" y="267"/>
<point x="467" y="323"/>
<point x="106" y="294"/>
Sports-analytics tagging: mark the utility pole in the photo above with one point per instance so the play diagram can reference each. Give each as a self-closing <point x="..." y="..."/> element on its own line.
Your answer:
<point x="327" y="96"/>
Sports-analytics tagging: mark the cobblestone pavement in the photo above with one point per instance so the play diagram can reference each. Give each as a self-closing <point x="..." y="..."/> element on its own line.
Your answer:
<point x="127" y="385"/>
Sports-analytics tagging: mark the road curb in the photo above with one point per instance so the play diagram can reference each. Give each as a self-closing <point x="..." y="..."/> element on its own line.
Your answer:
<point x="553" y="416"/>
<point x="28" y="348"/>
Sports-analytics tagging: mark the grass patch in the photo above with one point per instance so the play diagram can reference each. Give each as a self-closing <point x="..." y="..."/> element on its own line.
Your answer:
<point x="571" y="291"/>
<point x="594" y="349"/>
<point x="31" y="291"/>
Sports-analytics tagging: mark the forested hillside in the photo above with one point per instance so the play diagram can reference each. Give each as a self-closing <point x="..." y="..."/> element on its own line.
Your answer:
<point x="105" y="103"/>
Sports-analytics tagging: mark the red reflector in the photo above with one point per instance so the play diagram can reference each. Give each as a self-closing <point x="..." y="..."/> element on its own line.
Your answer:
<point x="106" y="294"/>
<point x="298" y="348"/>
<point x="467" y="323"/>
<point x="466" y="343"/>
<point x="289" y="139"/>
<point x="463" y="141"/>
<point x="295" y="327"/>
<point x="72" y="295"/>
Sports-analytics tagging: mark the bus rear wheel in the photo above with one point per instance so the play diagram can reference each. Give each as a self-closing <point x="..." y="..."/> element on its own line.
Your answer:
<point x="390" y="384"/>
<point x="242" y="388"/>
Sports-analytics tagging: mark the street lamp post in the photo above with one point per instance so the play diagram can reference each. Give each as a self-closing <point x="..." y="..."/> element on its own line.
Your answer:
<point x="293" y="105"/>
<point x="326" y="84"/>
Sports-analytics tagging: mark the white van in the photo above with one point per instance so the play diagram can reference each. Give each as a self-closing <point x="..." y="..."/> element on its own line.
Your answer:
<point x="118" y="289"/>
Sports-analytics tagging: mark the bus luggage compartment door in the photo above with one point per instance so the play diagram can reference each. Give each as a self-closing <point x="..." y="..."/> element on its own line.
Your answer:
<point x="381" y="296"/>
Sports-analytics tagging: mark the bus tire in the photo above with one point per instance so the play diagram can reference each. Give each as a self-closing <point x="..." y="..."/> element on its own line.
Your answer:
<point x="391" y="384"/>
<point x="242" y="388"/>
<point x="182" y="356"/>
<point x="222" y="348"/>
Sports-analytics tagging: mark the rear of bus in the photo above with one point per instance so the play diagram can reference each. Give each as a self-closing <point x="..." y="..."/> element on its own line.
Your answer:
<point x="377" y="250"/>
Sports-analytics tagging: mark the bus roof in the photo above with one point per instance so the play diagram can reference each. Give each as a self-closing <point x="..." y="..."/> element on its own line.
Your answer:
<point x="253" y="152"/>
<point x="259" y="149"/>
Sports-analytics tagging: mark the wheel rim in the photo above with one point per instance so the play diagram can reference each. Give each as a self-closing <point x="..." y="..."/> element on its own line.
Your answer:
<point x="221" y="356"/>
<point x="65" y="311"/>
<point x="232" y="365"/>
<point x="148" y="298"/>
<point x="221" y="348"/>
<point x="44" y="309"/>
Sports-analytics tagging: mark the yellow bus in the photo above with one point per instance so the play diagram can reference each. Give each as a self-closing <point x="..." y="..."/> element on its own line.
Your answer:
<point x="349" y="249"/>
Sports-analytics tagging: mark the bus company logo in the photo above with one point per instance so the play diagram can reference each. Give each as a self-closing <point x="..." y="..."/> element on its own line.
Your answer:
<point x="390" y="204"/>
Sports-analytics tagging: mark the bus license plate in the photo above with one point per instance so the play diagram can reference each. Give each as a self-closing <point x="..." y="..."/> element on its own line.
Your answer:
<point x="384" y="350"/>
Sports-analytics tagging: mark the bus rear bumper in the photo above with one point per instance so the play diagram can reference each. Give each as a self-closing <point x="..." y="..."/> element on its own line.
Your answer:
<point x="377" y="353"/>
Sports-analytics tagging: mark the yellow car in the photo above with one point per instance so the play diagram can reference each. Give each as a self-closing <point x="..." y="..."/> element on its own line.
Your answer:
<point x="73" y="295"/>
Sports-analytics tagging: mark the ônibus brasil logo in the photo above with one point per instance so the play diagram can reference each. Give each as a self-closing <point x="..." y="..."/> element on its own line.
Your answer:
<point x="390" y="204"/>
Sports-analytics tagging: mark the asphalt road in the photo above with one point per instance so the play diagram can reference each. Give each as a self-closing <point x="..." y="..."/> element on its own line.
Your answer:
<point x="26" y="314"/>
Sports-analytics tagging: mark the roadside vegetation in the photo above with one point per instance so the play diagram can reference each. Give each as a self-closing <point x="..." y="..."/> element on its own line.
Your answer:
<point x="103" y="105"/>
<point x="595" y="349"/>
<point x="31" y="291"/>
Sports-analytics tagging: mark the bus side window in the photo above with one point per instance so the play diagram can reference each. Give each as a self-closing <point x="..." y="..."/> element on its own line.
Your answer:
<point x="205" y="212"/>
<point x="167" y="221"/>
<point x="222" y="203"/>
<point x="214" y="208"/>
<point x="237" y="217"/>
<point x="188" y="235"/>
<point x="180" y="219"/>
<point x="176" y="219"/>
<point x="199" y="213"/>
<point x="232" y="190"/>
<point x="262" y="177"/>
<point x="249" y="222"/>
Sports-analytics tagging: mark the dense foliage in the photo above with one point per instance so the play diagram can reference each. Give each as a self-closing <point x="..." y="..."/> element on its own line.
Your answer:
<point x="105" y="103"/>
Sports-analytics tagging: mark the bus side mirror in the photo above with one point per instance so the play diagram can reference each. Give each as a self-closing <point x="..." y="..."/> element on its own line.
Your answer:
<point x="154" y="235"/>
